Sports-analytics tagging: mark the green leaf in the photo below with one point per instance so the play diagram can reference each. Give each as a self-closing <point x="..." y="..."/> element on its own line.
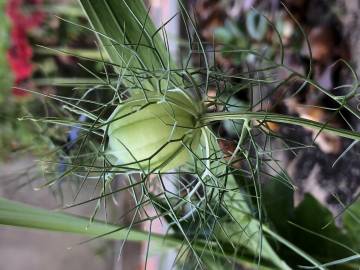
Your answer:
<point x="278" y="203"/>
<point x="304" y="225"/>
<point x="352" y="223"/>
<point x="308" y="233"/>
<point x="130" y="38"/>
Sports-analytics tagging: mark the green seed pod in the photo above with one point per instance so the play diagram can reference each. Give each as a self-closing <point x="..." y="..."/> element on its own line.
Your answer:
<point x="154" y="132"/>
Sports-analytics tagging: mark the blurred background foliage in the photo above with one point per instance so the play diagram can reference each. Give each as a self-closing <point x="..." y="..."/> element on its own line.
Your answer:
<point x="39" y="50"/>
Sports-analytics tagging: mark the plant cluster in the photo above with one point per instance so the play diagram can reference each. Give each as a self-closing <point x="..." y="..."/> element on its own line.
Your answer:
<point x="153" y="127"/>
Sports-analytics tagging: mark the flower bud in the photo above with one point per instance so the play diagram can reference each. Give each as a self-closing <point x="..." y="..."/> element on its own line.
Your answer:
<point x="154" y="132"/>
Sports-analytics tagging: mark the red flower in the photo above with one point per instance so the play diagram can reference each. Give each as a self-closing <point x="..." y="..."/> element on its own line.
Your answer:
<point x="26" y="21"/>
<point x="19" y="57"/>
<point x="20" y="53"/>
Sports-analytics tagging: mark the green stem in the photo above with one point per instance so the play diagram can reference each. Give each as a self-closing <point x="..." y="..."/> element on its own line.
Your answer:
<point x="23" y="215"/>
<point x="293" y="248"/>
<point x="279" y="118"/>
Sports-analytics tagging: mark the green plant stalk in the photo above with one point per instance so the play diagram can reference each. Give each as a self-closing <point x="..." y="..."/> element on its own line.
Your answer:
<point x="279" y="118"/>
<point x="60" y="81"/>
<point x="248" y="227"/>
<point x="93" y="54"/>
<point x="22" y="215"/>
<point x="294" y="248"/>
<point x="243" y="229"/>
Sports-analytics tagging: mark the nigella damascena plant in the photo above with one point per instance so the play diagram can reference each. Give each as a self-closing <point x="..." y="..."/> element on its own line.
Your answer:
<point x="154" y="132"/>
